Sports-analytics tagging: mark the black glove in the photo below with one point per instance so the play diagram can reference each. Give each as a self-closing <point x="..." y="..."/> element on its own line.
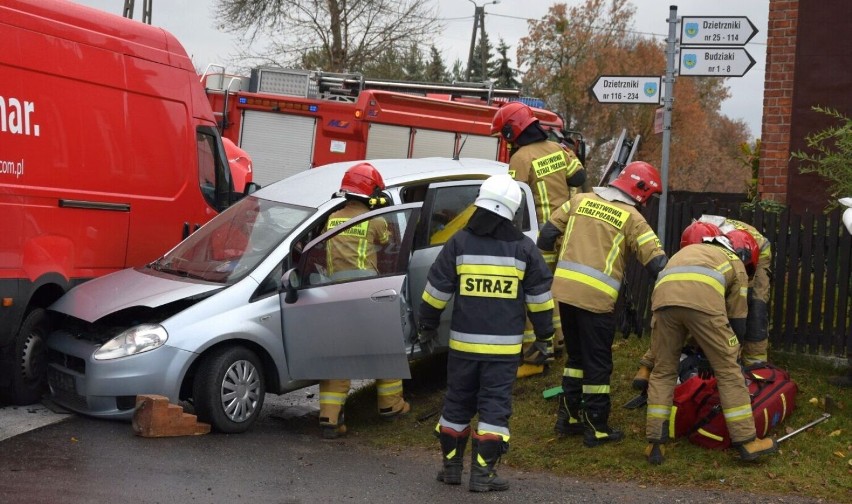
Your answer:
<point x="428" y="339"/>
<point x="538" y="353"/>
<point x="705" y="370"/>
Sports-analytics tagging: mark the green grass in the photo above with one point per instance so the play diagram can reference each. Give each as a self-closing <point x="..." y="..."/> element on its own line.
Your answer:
<point x="816" y="463"/>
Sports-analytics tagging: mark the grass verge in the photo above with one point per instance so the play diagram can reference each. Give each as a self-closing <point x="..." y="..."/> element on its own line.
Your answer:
<point x="815" y="463"/>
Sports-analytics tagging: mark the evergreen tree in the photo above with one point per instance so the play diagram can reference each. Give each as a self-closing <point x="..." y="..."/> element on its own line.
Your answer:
<point x="503" y="74"/>
<point x="413" y="67"/>
<point x="435" y="69"/>
<point x="476" y="74"/>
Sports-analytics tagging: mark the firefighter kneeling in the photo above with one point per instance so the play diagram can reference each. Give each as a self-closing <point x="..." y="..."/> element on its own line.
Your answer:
<point x="487" y="328"/>
<point x="702" y="291"/>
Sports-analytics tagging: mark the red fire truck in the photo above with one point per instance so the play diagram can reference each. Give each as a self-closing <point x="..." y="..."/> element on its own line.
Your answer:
<point x="291" y="119"/>
<point x="109" y="156"/>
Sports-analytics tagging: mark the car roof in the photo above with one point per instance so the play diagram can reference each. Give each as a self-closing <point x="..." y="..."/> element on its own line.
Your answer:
<point x="313" y="187"/>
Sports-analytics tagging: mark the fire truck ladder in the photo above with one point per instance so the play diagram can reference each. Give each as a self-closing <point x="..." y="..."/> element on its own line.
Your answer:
<point x="146" y="10"/>
<point x="350" y="85"/>
<point x="223" y="82"/>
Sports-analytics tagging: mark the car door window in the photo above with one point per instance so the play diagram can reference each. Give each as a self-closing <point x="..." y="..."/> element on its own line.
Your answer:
<point x="359" y="248"/>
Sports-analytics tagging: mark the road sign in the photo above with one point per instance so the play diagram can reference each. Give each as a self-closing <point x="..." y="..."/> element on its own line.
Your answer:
<point x="627" y="89"/>
<point x="714" y="61"/>
<point x="716" y="30"/>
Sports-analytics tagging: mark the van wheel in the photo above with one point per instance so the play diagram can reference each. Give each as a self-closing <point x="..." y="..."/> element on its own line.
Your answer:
<point x="228" y="390"/>
<point x="29" y="372"/>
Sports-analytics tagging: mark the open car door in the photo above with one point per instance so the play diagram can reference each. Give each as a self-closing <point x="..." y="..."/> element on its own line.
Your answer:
<point x="352" y="324"/>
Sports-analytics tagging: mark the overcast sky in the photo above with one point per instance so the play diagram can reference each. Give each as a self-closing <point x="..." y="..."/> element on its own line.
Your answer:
<point x="192" y="23"/>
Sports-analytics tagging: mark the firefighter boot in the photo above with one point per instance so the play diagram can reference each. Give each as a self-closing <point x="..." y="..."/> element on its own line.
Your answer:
<point x="755" y="448"/>
<point x="596" y="431"/>
<point x="568" y="417"/>
<point x="640" y="381"/>
<point x="333" y="430"/>
<point x="525" y="370"/>
<point x="485" y="453"/>
<point x="655" y="452"/>
<point x="453" y="444"/>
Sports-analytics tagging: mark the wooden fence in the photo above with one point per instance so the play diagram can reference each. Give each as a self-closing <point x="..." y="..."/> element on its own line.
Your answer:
<point x="812" y="256"/>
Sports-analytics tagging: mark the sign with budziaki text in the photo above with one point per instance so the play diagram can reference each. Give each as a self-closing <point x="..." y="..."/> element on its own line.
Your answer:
<point x="627" y="89"/>
<point x="716" y="30"/>
<point x="714" y="61"/>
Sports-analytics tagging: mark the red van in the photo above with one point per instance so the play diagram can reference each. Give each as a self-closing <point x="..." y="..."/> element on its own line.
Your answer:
<point x="109" y="156"/>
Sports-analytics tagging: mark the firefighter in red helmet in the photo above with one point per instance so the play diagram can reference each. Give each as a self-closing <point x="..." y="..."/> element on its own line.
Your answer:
<point x="702" y="292"/>
<point x="363" y="187"/>
<point x="599" y="231"/>
<point x="549" y="170"/>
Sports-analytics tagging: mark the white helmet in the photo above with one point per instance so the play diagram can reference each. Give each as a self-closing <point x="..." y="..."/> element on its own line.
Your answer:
<point x="500" y="194"/>
<point x="847" y="214"/>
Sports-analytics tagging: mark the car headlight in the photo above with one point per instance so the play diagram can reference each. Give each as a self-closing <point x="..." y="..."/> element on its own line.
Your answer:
<point x="135" y="340"/>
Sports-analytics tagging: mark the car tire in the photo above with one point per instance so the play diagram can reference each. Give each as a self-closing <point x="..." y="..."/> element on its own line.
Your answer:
<point x="29" y="370"/>
<point x="229" y="389"/>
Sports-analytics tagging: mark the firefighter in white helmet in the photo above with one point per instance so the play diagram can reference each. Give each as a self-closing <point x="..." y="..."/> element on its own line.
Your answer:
<point x="599" y="231"/>
<point x="702" y="292"/>
<point x="362" y="186"/>
<point x="498" y="277"/>
<point x="755" y="344"/>
<point x="549" y="170"/>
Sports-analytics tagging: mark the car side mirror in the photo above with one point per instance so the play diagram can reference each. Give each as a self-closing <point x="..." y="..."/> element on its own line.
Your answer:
<point x="290" y="283"/>
<point x="250" y="188"/>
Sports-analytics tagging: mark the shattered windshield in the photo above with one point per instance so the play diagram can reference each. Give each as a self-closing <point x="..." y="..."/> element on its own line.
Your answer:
<point x="231" y="245"/>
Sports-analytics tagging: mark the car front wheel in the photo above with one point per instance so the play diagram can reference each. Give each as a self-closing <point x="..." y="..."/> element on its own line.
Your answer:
<point x="228" y="390"/>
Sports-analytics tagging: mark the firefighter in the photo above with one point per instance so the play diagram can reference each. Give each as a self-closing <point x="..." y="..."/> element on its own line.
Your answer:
<point x="549" y="170"/>
<point x="598" y="231"/>
<point x="703" y="291"/>
<point x="756" y="343"/>
<point x="497" y="276"/>
<point x="362" y="186"/>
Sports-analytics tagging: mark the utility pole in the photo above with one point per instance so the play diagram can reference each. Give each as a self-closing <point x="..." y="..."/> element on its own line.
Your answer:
<point x="146" y="10"/>
<point x="478" y="22"/>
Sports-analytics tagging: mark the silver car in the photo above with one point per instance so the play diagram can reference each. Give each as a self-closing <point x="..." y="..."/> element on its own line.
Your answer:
<point x="211" y="321"/>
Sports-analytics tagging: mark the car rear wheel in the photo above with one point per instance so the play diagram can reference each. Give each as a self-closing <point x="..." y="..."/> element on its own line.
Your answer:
<point x="228" y="390"/>
<point x="29" y="372"/>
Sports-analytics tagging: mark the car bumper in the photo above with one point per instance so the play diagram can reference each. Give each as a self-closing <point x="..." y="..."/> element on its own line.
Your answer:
<point x="108" y="389"/>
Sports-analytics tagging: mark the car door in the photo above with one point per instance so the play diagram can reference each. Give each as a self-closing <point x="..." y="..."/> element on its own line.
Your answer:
<point x="446" y="209"/>
<point x="352" y="324"/>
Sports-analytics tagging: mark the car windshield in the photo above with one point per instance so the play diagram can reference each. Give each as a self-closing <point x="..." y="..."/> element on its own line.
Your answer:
<point x="231" y="245"/>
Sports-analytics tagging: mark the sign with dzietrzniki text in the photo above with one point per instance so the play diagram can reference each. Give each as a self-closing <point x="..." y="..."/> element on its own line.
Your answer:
<point x="627" y="89"/>
<point x="716" y="30"/>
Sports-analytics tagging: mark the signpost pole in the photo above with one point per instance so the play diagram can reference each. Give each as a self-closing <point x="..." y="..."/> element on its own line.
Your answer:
<point x="668" y="101"/>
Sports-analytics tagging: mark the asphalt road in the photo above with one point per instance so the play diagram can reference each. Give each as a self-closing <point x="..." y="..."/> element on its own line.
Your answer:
<point x="281" y="460"/>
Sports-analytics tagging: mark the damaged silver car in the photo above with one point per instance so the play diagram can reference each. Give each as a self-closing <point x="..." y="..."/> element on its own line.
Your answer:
<point x="211" y="323"/>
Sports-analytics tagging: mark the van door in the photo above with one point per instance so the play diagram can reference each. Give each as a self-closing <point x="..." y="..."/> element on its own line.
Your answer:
<point x="353" y="323"/>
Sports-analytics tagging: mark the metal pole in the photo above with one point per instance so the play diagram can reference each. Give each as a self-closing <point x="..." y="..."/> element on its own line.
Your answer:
<point x="472" y="43"/>
<point x="483" y="50"/>
<point x="668" y="102"/>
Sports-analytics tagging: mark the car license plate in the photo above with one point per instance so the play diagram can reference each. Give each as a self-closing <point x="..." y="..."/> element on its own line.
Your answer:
<point x="61" y="381"/>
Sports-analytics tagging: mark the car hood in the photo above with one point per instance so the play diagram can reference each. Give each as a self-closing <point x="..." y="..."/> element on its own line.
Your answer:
<point x="123" y="289"/>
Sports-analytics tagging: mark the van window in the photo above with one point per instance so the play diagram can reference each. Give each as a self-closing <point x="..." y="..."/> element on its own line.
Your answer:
<point x="213" y="177"/>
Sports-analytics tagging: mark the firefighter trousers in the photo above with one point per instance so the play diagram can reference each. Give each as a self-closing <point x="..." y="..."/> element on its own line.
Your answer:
<point x="669" y="327"/>
<point x="332" y="397"/>
<point x="588" y="365"/>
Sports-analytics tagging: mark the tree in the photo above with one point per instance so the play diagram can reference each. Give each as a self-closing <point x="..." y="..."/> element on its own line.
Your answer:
<point x="476" y="74"/>
<point x="504" y="75"/>
<point x="334" y="35"/>
<point x="412" y="64"/>
<point x="829" y="154"/>
<point x="435" y="69"/>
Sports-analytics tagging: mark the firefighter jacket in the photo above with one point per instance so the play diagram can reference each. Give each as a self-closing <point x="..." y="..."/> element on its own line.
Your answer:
<point x="704" y="277"/>
<point x="355" y="248"/>
<point x="597" y="233"/>
<point x="496" y="283"/>
<point x="545" y="167"/>
<point x="760" y="281"/>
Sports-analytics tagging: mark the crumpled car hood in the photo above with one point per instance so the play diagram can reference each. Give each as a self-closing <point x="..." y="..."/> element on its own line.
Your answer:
<point x="97" y="298"/>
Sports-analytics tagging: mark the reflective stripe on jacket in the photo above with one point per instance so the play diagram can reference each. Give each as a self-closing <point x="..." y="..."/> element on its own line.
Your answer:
<point x="597" y="235"/>
<point x="704" y="277"/>
<point x="545" y="167"/>
<point x="355" y="248"/>
<point x="495" y="284"/>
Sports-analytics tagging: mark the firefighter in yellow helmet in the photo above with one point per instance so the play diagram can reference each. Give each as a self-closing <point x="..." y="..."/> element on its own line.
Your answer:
<point x="755" y="344"/>
<point x="497" y="276"/>
<point x="549" y="170"/>
<point x="353" y="252"/>
<point x="702" y="292"/>
<point x="599" y="231"/>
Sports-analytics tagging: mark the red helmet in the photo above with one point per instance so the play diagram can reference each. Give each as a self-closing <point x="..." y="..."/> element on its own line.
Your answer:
<point x="363" y="179"/>
<point x="697" y="231"/>
<point x="639" y="180"/>
<point x="511" y="120"/>
<point x="745" y="247"/>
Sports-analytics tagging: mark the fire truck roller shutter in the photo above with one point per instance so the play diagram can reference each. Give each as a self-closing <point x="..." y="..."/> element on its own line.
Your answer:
<point x="388" y="142"/>
<point x="431" y="143"/>
<point x="479" y="146"/>
<point x="280" y="145"/>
